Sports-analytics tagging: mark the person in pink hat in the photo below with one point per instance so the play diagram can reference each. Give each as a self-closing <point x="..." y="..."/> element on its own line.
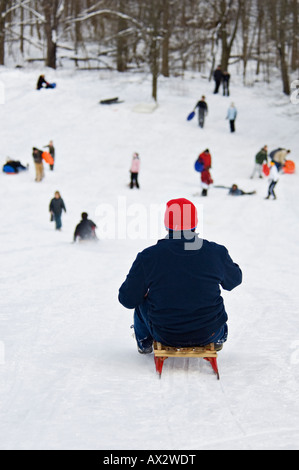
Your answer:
<point x="174" y="286"/>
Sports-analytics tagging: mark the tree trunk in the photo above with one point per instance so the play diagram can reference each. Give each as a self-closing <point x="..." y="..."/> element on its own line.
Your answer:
<point x="295" y="51"/>
<point x="50" y="11"/>
<point x="282" y="48"/>
<point x="165" y="44"/>
<point x="2" y="31"/>
<point x="121" y="42"/>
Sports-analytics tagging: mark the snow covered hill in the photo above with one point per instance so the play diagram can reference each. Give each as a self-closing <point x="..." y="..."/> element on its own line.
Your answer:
<point x="70" y="374"/>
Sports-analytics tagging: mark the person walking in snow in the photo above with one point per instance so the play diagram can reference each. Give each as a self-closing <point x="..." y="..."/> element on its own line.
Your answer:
<point x="56" y="207"/>
<point x="225" y="83"/>
<point x="260" y="158"/>
<point x="273" y="179"/>
<point x="38" y="163"/>
<point x="218" y="75"/>
<point x="174" y="286"/>
<point x="202" y="111"/>
<point x="51" y="149"/>
<point x="134" y="170"/>
<point x="85" y="230"/>
<point x="232" y="116"/>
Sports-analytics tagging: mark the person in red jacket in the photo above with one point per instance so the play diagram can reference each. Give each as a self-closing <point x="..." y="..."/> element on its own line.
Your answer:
<point x="206" y="159"/>
<point x="206" y="180"/>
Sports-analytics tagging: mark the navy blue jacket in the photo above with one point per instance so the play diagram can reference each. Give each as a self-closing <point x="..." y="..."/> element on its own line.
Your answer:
<point x="182" y="288"/>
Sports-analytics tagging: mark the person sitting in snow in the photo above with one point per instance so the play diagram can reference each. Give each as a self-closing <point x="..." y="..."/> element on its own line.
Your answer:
<point x="174" y="286"/>
<point x="42" y="83"/>
<point x="85" y="230"/>
<point x="235" y="191"/>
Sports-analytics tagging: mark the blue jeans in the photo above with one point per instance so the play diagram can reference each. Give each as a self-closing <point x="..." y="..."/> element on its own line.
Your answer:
<point x="144" y="331"/>
<point x="58" y="223"/>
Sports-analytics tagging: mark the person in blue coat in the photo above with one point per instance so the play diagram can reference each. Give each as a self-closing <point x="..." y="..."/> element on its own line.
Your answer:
<point x="174" y="286"/>
<point x="232" y="116"/>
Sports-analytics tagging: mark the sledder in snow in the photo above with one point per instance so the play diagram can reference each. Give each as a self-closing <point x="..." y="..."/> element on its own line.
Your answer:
<point x="174" y="286"/>
<point x="85" y="230"/>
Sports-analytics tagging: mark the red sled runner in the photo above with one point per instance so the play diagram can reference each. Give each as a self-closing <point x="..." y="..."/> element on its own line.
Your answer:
<point x="207" y="352"/>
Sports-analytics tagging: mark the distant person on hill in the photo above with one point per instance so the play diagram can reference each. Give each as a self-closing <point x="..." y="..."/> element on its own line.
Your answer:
<point x="260" y="158"/>
<point x="56" y="207"/>
<point x="232" y="116"/>
<point x="273" y="178"/>
<point x="85" y="230"/>
<point x="202" y="111"/>
<point x="38" y="163"/>
<point x="134" y="170"/>
<point x="225" y="83"/>
<point x="51" y="149"/>
<point x="235" y="191"/>
<point x="217" y="78"/>
<point x="42" y="83"/>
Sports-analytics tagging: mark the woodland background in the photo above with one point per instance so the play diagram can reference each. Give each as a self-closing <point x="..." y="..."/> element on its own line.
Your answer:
<point x="164" y="37"/>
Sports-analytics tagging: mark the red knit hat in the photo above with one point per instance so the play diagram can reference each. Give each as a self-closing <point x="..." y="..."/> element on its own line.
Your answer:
<point x="180" y="214"/>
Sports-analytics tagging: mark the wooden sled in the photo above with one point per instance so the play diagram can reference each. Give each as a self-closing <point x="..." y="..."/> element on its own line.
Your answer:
<point x="207" y="352"/>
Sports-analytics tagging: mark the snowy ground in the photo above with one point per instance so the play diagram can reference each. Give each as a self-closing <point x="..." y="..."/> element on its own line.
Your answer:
<point x="70" y="374"/>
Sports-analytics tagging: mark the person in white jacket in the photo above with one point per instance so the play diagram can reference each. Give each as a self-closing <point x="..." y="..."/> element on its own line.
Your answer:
<point x="135" y="167"/>
<point x="273" y="178"/>
<point x="231" y="116"/>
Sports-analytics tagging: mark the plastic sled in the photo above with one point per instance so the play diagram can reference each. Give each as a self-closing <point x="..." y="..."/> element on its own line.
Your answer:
<point x="289" y="167"/>
<point x="9" y="170"/>
<point x="47" y="157"/>
<point x="198" y="166"/>
<point x="266" y="169"/>
<point x="191" y="116"/>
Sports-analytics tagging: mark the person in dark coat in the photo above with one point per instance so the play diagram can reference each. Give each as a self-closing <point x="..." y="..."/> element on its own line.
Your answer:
<point x="225" y="83"/>
<point x="14" y="166"/>
<point x="56" y="207"/>
<point x="85" y="230"/>
<point x="42" y="83"/>
<point x="260" y="158"/>
<point x="38" y="163"/>
<point x="202" y="111"/>
<point x="235" y="191"/>
<point x="217" y="78"/>
<point x="174" y="286"/>
<point x="51" y="150"/>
